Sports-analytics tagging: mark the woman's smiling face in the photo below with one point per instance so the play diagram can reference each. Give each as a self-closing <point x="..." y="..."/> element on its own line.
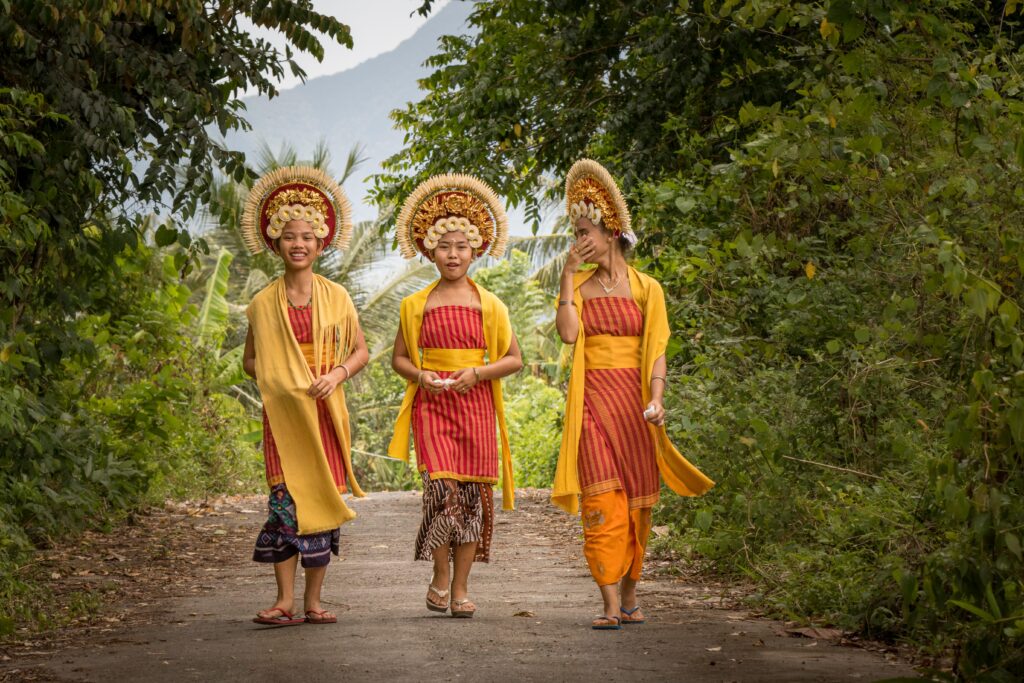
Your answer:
<point x="453" y="255"/>
<point x="298" y="246"/>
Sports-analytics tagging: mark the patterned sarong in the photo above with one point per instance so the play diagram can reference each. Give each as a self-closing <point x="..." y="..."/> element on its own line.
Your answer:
<point x="455" y="512"/>
<point x="279" y="540"/>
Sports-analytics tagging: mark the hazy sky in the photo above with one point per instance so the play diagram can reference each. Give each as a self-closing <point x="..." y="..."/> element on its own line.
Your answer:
<point x="377" y="26"/>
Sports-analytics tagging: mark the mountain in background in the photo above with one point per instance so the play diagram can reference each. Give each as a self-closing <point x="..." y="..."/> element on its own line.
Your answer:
<point x="351" y="106"/>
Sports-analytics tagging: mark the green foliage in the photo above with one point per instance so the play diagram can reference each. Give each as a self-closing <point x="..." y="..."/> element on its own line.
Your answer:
<point x="132" y="423"/>
<point x="533" y="410"/>
<point x="830" y="194"/>
<point x="510" y="280"/>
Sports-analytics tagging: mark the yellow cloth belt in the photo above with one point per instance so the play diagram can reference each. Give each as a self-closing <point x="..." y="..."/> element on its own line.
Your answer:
<point x="608" y="351"/>
<point x="309" y="355"/>
<point x="497" y="336"/>
<point x="450" y="360"/>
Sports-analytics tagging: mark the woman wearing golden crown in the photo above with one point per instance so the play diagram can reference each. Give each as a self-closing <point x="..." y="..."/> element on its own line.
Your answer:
<point x="303" y="343"/>
<point x="614" y="443"/>
<point x="453" y="398"/>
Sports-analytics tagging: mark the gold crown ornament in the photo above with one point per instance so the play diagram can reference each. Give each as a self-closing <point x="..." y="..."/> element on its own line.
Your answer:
<point x="591" y="192"/>
<point x="452" y="203"/>
<point x="296" y="193"/>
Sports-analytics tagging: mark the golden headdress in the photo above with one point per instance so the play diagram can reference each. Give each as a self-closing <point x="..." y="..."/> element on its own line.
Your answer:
<point x="296" y="193"/>
<point x="591" y="191"/>
<point x="449" y="203"/>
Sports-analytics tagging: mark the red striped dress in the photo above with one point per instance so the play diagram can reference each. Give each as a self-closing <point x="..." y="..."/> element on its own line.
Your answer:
<point x="455" y="433"/>
<point x="301" y="320"/>
<point x="616" y="448"/>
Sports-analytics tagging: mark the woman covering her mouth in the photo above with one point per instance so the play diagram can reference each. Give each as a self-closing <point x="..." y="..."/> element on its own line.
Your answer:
<point x="454" y="345"/>
<point x="614" y="444"/>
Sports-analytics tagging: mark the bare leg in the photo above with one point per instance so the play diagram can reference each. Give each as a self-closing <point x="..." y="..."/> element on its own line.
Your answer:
<point x="610" y="596"/>
<point x="284" y="574"/>
<point x="311" y="595"/>
<point x="464" y="555"/>
<point x="442" y="575"/>
<point x="462" y="606"/>
<point x="628" y="592"/>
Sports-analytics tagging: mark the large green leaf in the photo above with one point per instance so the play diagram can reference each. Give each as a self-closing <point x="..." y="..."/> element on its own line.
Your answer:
<point x="213" y="313"/>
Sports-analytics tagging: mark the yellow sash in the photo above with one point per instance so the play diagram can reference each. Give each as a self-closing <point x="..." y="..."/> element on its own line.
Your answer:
<point x="450" y="360"/>
<point x="497" y="337"/>
<point x="307" y="353"/>
<point x="608" y="352"/>
<point x="283" y="374"/>
<point x="678" y="473"/>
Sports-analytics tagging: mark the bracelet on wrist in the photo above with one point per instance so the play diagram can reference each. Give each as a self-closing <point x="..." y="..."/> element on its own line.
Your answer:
<point x="476" y="372"/>
<point x="348" y="373"/>
<point x="563" y="302"/>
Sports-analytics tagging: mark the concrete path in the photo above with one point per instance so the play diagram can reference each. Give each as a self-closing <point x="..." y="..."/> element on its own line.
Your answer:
<point x="535" y="601"/>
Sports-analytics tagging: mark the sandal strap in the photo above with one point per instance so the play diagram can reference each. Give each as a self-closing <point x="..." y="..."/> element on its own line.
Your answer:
<point x="629" y="612"/>
<point x="439" y="593"/>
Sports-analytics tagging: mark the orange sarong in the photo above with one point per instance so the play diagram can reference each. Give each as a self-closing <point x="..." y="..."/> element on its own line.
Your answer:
<point x="614" y="536"/>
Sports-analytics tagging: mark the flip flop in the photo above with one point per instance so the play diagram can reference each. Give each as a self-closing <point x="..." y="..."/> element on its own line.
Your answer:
<point x="443" y="595"/>
<point x="284" y="619"/>
<point x="603" y="623"/>
<point x="321" y="619"/>
<point x="628" y="618"/>
<point x="463" y="613"/>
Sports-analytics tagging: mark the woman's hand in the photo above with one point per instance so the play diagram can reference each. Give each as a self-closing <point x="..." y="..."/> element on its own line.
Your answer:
<point x="655" y="413"/>
<point x="431" y="382"/>
<point x="581" y="250"/>
<point x="324" y="385"/>
<point x="463" y="380"/>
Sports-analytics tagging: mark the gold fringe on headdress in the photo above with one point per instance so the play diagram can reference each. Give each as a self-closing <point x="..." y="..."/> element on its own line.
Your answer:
<point x="442" y="198"/>
<point x="264" y="201"/>
<point x="591" y="183"/>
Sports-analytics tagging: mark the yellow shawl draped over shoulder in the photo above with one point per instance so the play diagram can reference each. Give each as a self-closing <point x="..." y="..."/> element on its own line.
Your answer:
<point x="283" y="375"/>
<point x="497" y="337"/>
<point x="678" y="473"/>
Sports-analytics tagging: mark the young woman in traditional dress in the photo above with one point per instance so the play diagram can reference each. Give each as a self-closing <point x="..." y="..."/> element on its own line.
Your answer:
<point x="614" y="442"/>
<point x="304" y="342"/>
<point x="453" y="398"/>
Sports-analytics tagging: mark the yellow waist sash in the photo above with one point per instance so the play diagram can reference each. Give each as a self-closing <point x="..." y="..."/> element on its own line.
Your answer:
<point x="608" y="351"/>
<point x="307" y="353"/>
<point x="449" y="360"/>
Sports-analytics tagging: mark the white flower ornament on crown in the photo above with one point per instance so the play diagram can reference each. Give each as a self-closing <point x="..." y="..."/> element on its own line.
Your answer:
<point x="297" y="212"/>
<point x="584" y="209"/>
<point x="453" y="224"/>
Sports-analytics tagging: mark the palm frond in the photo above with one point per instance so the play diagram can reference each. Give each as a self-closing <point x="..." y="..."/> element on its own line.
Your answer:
<point x="547" y="256"/>
<point x="214" y="311"/>
<point x="356" y="157"/>
<point x="377" y="309"/>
